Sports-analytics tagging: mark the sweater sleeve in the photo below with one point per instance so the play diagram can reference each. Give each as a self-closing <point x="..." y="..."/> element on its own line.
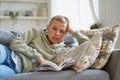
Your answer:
<point x="80" y="37"/>
<point x="21" y="44"/>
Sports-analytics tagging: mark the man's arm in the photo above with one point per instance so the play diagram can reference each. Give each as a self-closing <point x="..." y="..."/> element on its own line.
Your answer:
<point x="21" y="45"/>
<point x="80" y="37"/>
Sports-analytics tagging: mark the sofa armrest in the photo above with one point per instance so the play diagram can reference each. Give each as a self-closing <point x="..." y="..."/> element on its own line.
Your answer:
<point x="113" y="65"/>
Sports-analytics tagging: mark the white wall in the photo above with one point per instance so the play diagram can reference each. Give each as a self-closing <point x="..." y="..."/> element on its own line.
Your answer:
<point x="68" y="8"/>
<point x="109" y="13"/>
<point x="78" y="12"/>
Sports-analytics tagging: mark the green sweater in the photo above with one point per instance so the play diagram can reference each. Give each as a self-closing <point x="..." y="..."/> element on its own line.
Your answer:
<point x="34" y="43"/>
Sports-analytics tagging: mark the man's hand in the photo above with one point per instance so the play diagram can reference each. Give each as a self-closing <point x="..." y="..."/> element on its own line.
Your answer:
<point x="41" y="60"/>
<point x="69" y="29"/>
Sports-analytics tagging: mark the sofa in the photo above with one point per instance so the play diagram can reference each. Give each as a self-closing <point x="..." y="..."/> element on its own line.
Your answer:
<point x="111" y="71"/>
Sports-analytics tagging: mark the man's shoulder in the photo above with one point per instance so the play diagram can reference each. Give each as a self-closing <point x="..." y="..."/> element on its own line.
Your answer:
<point x="36" y="31"/>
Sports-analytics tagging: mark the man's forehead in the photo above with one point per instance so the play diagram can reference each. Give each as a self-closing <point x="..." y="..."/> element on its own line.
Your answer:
<point x="58" y="23"/>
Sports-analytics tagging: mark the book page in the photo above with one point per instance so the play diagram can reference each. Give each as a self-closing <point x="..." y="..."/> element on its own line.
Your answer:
<point x="48" y="65"/>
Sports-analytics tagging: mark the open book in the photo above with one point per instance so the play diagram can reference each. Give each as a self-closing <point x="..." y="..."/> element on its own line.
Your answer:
<point x="48" y="65"/>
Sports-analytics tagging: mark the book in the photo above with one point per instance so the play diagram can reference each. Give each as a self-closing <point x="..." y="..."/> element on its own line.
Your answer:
<point x="48" y="65"/>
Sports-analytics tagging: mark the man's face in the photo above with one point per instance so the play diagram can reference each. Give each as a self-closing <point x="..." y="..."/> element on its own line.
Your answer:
<point x="56" y="31"/>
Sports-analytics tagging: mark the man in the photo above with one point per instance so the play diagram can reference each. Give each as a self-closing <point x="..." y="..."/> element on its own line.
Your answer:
<point x="36" y="46"/>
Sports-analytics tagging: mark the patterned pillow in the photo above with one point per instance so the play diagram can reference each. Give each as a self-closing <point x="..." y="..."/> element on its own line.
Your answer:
<point x="87" y="53"/>
<point x="84" y="54"/>
<point x="110" y="35"/>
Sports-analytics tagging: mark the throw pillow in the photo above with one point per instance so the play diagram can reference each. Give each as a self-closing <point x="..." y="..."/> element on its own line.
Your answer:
<point x="17" y="34"/>
<point x="84" y="54"/>
<point x="70" y="41"/>
<point x="6" y="37"/>
<point x="110" y="35"/>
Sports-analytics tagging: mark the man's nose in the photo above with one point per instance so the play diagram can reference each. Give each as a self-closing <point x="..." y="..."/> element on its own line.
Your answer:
<point x="57" y="32"/>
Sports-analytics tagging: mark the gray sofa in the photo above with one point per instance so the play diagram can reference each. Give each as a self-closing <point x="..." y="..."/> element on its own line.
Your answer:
<point x="111" y="71"/>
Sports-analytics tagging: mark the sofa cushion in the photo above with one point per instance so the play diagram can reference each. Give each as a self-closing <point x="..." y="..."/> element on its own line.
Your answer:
<point x="62" y="75"/>
<point x="6" y="37"/>
<point x="113" y="65"/>
<point x="110" y="35"/>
